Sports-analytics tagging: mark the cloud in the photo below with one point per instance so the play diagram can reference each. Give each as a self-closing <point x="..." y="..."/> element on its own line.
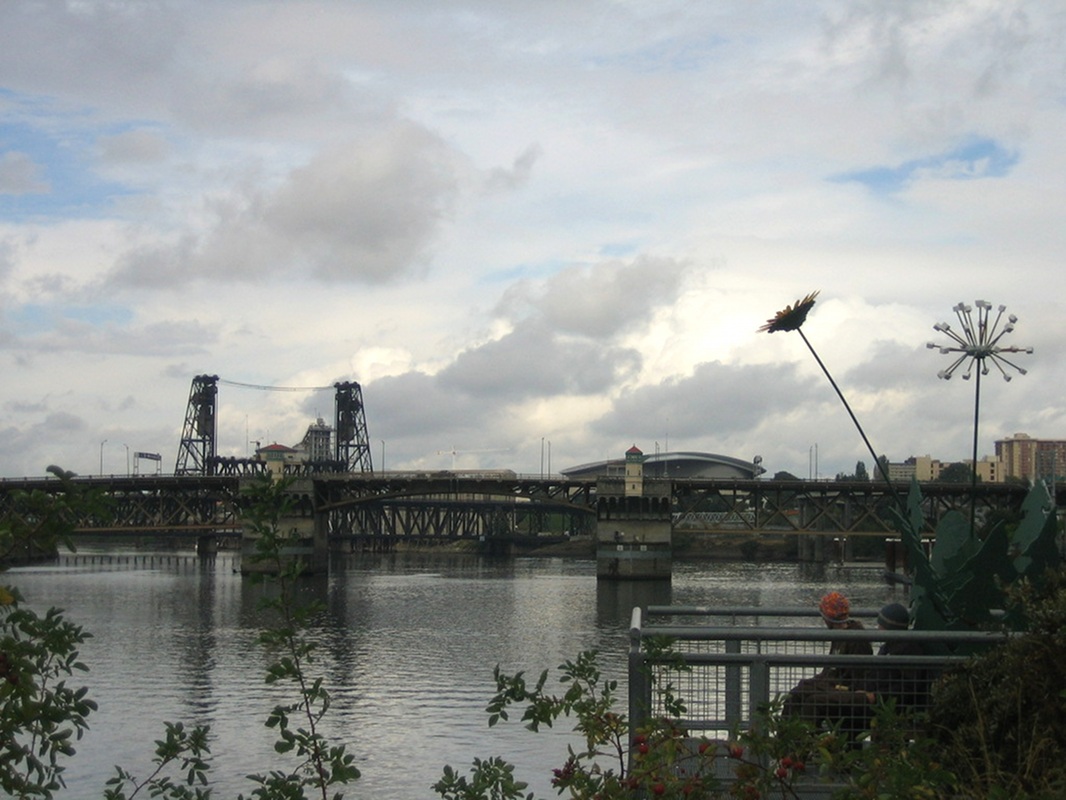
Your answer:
<point x="536" y="361"/>
<point x="416" y="406"/>
<point x="16" y="442"/>
<point x="366" y="211"/>
<point x="65" y="332"/>
<point x="606" y="299"/>
<point x="19" y="175"/>
<point x="500" y="179"/>
<point x="717" y="402"/>
<point x="141" y="146"/>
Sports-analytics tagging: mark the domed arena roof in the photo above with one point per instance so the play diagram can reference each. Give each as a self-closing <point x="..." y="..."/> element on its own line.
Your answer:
<point x="673" y="465"/>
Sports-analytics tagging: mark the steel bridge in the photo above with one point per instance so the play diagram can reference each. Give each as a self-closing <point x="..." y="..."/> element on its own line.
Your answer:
<point x="390" y="506"/>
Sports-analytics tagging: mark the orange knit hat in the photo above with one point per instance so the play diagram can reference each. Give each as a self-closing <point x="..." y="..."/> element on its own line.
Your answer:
<point x="835" y="607"/>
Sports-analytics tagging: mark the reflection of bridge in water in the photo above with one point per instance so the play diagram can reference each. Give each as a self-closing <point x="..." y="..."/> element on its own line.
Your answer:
<point x="501" y="506"/>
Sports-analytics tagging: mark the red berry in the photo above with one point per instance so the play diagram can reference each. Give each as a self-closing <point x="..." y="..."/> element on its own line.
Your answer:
<point x="658" y="788"/>
<point x="704" y="746"/>
<point x="781" y="773"/>
<point x="736" y="751"/>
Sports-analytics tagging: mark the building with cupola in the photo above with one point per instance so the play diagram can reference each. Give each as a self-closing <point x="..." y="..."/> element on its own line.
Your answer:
<point x="633" y="523"/>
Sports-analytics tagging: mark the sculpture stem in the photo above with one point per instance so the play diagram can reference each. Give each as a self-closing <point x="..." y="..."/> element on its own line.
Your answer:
<point x="877" y="462"/>
<point x="973" y="477"/>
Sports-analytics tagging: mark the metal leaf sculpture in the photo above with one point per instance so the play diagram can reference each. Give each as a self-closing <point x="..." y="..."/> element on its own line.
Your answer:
<point x="961" y="585"/>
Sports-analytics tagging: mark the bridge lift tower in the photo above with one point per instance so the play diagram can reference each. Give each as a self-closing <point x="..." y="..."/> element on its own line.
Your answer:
<point x="197" y="451"/>
<point x="352" y="444"/>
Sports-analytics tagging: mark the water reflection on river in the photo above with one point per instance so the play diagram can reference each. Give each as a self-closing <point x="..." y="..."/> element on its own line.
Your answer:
<point x="407" y="648"/>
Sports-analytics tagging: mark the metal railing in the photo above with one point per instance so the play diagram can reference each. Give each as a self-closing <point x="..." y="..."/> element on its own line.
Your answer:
<point x="739" y="659"/>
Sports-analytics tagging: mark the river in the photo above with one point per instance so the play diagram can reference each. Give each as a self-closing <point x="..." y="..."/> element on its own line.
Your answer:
<point x="407" y="647"/>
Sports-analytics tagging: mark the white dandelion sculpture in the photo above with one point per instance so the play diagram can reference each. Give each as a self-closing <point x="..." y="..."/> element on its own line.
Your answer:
<point x="978" y="348"/>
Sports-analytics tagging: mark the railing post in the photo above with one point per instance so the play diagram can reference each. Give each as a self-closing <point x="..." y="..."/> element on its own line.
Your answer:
<point x="639" y="680"/>
<point x="732" y="682"/>
<point x="758" y="685"/>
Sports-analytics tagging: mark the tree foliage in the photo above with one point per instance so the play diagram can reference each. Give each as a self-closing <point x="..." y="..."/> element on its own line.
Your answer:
<point x="41" y="715"/>
<point x="1001" y="718"/>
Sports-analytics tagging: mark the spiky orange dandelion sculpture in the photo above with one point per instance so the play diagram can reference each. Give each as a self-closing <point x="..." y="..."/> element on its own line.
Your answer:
<point x="791" y="318"/>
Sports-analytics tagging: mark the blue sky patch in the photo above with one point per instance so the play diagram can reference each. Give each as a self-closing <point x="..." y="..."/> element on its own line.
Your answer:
<point x="63" y="149"/>
<point x="618" y="249"/>
<point x="976" y="158"/>
<point x="527" y="271"/>
<point x="35" y="318"/>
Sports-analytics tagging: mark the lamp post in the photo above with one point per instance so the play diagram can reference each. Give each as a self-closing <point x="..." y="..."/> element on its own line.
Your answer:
<point x="102" y="456"/>
<point x="382" y="455"/>
<point x="127" y="458"/>
<point x="977" y="344"/>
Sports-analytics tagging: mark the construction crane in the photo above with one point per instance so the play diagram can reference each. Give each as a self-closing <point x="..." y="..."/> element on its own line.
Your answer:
<point x="453" y="453"/>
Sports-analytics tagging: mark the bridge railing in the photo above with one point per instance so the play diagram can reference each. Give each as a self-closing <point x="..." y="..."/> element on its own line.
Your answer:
<point x="739" y="659"/>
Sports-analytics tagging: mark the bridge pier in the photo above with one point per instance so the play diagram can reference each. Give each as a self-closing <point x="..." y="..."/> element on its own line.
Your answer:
<point x="306" y="545"/>
<point x="207" y="546"/>
<point x="304" y="532"/>
<point x="633" y="525"/>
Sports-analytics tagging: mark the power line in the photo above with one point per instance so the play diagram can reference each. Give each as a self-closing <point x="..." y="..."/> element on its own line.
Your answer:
<point x="275" y="388"/>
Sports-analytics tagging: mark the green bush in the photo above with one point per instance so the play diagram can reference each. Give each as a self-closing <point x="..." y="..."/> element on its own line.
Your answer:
<point x="1001" y="718"/>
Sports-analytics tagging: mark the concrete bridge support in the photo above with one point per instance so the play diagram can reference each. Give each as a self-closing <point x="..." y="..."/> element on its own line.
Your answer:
<point x="304" y="533"/>
<point x="634" y="530"/>
<point x="207" y="546"/>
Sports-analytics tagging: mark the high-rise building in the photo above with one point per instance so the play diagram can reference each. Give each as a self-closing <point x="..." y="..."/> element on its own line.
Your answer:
<point x="1032" y="459"/>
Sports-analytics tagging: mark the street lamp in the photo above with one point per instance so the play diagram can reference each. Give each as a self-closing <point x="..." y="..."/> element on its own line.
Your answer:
<point x="977" y="344"/>
<point x="127" y="459"/>
<point x="102" y="456"/>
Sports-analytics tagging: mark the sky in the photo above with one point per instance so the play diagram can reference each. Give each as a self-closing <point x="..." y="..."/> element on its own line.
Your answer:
<point x="535" y="233"/>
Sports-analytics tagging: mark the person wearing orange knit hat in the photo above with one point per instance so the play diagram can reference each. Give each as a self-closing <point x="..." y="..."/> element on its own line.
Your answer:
<point x="836" y="693"/>
<point x="836" y="611"/>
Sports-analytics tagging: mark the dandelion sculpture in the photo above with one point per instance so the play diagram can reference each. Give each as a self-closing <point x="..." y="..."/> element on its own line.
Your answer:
<point x="978" y="348"/>
<point x="791" y="318"/>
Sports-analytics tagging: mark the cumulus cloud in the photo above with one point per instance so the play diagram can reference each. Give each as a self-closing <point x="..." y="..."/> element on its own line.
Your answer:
<point x="133" y="147"/>
<point x="534" y="360"/>
<point x="16" y="442"/>
<point x="717" y="402"/>
<point x="500" y="179"/>
<point x="363" y="212"/>
<point x="19" y="175"/>
<point x="602" y="300"/>
<point x="152" y="340"/>
<point x="416" y="405"/>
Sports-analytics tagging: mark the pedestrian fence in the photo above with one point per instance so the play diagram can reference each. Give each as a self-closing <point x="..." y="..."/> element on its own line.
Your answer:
<point x="739" y="659"/>
<point x="736" y="660"/>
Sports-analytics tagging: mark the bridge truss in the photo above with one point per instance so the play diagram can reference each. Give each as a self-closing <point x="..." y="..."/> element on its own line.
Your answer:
<point x="395" y="506"/>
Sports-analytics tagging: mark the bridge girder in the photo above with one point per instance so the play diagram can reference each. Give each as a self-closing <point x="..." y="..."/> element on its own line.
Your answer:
<point x="402" y="504"/>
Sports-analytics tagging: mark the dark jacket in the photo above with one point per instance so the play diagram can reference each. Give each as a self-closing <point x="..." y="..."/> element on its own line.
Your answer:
<point x="907" y="685"/>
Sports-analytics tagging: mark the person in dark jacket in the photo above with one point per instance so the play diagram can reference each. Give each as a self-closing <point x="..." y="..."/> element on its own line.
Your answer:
<point x="837" y="695"/>
<point x="907" y="685"/>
